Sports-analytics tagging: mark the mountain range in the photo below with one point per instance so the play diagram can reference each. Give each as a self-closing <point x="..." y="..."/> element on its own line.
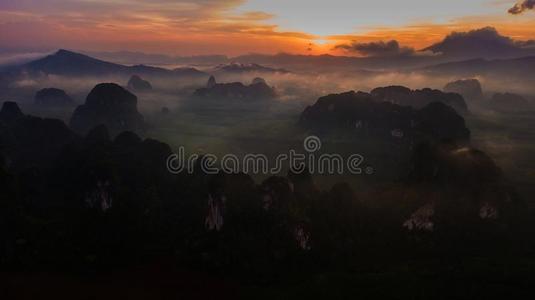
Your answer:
<point x="132" y="57"/>
<point x="521" y="68"/>
<point x="479" y="50"/>
<point x="68" y="63"/>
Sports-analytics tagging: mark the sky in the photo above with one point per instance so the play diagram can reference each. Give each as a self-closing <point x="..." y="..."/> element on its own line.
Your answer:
<point x="234" y="27"/>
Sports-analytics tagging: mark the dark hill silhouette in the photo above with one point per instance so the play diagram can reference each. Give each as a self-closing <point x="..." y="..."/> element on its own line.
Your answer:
<point x="110" y="105"/>
<point x="211" y="82"/>
<point x="29" y="141"/>
<point x="258" y="80"/>
<point x="235" y="91"/>
<point x="362" y="113"/>
<point x="478" y="187"/>
<point x="470" y="89"/>
<point x="52" y="97"/>
<point x="136" y="83"/>
<point x="10" y="112"/>
<point x="418" y="98"/>
<point x="127" y="138"/>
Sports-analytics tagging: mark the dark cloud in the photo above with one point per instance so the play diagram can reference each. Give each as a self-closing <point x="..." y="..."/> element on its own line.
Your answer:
<point x="522" y="7"/>
<point x="485" y="42"/>
<point x="377" y="49"/>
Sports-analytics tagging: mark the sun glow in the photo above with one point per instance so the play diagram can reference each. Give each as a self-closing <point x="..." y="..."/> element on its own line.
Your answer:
<point x="235" y="27"/>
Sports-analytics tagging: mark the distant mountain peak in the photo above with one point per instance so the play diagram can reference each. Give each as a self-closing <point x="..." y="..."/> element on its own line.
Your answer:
<point x="70" y="63"/>
<point x="65" y="62"/>
<point x="64" y="52"/>
<point x="236" y="67"/>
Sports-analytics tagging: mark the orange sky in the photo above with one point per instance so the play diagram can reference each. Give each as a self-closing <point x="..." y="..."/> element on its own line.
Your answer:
<point x="187" y="27"/>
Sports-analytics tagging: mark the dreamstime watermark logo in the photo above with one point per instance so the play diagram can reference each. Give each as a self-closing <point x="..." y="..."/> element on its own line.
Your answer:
<point x="312" y="161"/>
